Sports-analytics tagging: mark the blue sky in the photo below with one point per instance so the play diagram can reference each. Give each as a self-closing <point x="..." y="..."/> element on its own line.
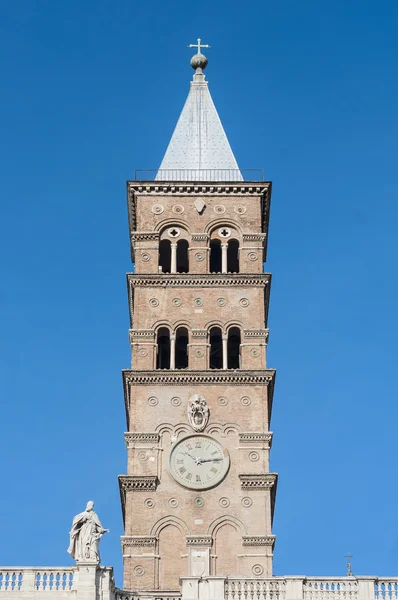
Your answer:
<point x="91" y="90"/>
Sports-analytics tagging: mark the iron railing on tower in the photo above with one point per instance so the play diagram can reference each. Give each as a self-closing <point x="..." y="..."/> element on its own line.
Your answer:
<point x="216" y="175"/>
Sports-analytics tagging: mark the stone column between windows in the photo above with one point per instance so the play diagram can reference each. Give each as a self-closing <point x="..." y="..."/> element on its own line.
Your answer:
<point x="224" y="350"/>
<point x="173" y="266"/>
<point x="172" y="349"/>
<point x="224" y="262"/>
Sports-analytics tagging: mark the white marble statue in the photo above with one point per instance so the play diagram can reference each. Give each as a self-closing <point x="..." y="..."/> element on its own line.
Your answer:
<point x="85" y="535"/>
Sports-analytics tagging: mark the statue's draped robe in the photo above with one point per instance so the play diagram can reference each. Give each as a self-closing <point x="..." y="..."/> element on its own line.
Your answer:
<point x="84" y="536"/>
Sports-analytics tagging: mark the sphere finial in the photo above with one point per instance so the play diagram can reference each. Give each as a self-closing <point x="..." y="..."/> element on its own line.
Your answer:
<point x="199" y="61"/>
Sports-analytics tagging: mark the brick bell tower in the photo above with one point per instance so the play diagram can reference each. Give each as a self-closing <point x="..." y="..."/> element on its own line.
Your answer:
<point x="198" y="496"/>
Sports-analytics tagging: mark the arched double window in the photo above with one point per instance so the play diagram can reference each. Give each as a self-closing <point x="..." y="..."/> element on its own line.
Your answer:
<point x="173" y="252"/>
<point x="224" y="348"/>
<point x="172" y="348"/>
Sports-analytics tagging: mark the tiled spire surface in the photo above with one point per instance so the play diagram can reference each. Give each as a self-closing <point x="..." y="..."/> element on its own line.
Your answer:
<point x="199" y="148"/>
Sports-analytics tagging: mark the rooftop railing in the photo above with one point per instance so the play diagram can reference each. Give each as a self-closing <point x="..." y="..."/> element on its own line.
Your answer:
<point x="199" y="175"/>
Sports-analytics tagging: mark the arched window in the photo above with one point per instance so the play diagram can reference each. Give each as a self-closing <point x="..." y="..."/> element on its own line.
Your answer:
<point x="215" y="256"/>
<point x="165" y="256"/>
<point x="163" y="349"/>
<point x="233" y="348"/>
<point x="215" y="348"/>
<point x="181" y="352"/>
<point x="182" y="256"/>
<point x="233" y="256"/>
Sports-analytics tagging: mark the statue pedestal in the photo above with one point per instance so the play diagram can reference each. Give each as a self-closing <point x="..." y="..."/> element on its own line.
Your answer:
<point x="87" y="580"/>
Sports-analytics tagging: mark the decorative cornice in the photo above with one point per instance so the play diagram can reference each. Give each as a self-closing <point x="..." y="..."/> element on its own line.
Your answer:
<point x="194" y="280"/>
<point x="259" y="540"/>
<point x="199" y="540"/>
<point x="181" y="187"/>
<point x="211" y="377"/>
<point x="253" y="438"/>
<point x="142" y="438"/>
<point x="162" y="377"/>
<point x="258" y="482"/>
<point x="135" y="540"/>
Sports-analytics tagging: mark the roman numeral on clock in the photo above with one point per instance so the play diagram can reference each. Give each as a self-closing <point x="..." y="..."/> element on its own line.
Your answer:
<point x="182" y="470"/>
<point x="213" y="470"/>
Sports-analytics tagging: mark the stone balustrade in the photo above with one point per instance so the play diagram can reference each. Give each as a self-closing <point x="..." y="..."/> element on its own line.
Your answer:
<point x="290" y="588"/>
<point x="91" y="582"/>
<point x="85" y="582"/>
<point x="42" y="579"/>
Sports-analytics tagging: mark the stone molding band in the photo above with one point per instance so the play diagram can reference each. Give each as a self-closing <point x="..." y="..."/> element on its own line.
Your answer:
<point x="259" y="540"/>
<point x="142" y="438"/>
<point x="144" y="236"/>
<point x="254" y="438"/>
<point x="199" y="540"/>
<point x="199" y="280"/>
<point x="142" y="541"/>
<point x="194" y="540"/>
<point x="258" y="481"/>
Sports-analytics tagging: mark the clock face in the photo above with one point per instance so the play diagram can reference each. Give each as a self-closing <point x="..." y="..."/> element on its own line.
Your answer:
<point x="198" y="462"/>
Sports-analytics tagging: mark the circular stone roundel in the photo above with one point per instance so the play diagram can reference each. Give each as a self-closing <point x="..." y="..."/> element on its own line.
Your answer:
<point x="139" y="571"/>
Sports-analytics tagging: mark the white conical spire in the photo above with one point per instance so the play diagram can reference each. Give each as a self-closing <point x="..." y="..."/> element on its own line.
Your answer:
<point x="199" y="149"/>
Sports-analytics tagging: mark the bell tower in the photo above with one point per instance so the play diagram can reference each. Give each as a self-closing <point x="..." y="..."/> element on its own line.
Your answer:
<point x="198" y="496"/>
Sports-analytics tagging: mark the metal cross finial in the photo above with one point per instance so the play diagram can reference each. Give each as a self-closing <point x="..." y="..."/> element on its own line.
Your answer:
<point x="199" y="46"/>
<point x="349" y="571"/>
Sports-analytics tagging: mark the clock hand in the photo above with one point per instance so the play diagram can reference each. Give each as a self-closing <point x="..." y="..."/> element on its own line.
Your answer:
<point x="190" y="456"/>
<point x="203" y="460"/>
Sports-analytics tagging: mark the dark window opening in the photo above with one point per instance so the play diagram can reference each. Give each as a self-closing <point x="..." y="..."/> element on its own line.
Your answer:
<point x="182" y="256"/>
<point x="165" y="256"/>
<point x="233" y="347"/>
<point x="233" y="256"/>
<point x="181" y="361"/>
<point x="215" y="348"/>
<point x="163" y="349"/>
<point x="215" y="256"/>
